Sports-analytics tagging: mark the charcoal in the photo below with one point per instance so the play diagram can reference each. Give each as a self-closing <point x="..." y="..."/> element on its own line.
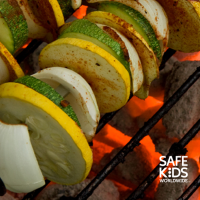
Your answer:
<point x="185" y="113"/>
<point x="12" y="196"/>
<point x="172" y="191"/>
<point x="106" y="191"/>
<point x="158" y="85"/>
<point x="129" y="126"/>
<point x="134" y="169"/>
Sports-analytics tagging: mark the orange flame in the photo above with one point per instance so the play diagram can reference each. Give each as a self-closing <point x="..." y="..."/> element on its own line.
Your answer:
<point x="81" y="12"/>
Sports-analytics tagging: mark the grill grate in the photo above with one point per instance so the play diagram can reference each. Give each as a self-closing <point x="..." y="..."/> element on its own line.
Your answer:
<point x="176" y="149"/>
<point x="191" y="189"/>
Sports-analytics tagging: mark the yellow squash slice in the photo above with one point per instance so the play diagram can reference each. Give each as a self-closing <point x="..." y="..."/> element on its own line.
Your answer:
<point x="184" y="25"/>
<point x="147" y="57"/>
<point x="9" y="68"/>
<point x="108" y="78"/>
<point x="61" y="148"/>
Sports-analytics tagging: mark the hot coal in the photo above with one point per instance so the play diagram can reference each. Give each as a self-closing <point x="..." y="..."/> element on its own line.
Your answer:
<point x="185" y="113"/>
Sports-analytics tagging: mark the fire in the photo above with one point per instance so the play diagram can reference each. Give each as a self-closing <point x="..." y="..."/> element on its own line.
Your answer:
<point x="81" y="12"/>
<point x="27" y="43"/>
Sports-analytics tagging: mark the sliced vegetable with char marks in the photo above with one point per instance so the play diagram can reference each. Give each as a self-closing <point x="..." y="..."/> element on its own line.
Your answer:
<point x="66" y="7"/>
<point x="147" y="57"/>
<point x="16" y="22"/>
<point x="49" y="13"/>
<point x="103" y="40"/>
<point x="48" y="92"/>
<point x="108" y="78"/>
<point x="137" y="20"/>
<point x="77" y="92"/>
<point x="61" y="148"/>
<point x="9" y="68"/>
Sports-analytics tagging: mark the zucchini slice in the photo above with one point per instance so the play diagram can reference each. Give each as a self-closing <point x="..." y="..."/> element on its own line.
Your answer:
<point x="137" y="20"/>
<point x="49" y="92"/>
<point x="61" y="148"/>
<point x="146" y="54"/>
<point x="108" y="78"/>
<point x="16" y="22"/>
<point x="66" y="7"/>
<point x="86" y="30"/>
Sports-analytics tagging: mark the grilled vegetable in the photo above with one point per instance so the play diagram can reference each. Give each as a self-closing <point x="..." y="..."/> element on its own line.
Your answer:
<point x="154" y="13"/>
<point x="35" y="28"/>
<point x="137" y="20"/>
<point x="147" y="57"/>
<point x="184" y="25"/>
<point x="86" y="30"/>
<point x="48" y="92"/>
<point x="9" y="68"/>
<point x="13" y="25"/>
<point x="66" y="7"/>
<point x="77" y="93"/>
<point x="137" y="76"/>
<point x="20" y="171"/>
<point x="61" y="149"/>
<point x="108" y="78"/>
<point x="49" y="13"/>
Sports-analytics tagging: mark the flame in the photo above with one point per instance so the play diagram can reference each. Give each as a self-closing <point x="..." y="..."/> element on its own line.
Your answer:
<point x="27" y="43"/>
<point x="81" y="12"/>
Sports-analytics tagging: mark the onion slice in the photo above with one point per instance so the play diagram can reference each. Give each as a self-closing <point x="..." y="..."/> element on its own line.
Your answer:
<point x="19" y="168"/>
<point x="77" y="92"/>
<point x="137" y="75"/>
<point x="36" y="30"/>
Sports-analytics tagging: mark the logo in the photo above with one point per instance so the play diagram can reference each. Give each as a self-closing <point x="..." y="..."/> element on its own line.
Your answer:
<point x="173" y="171"/>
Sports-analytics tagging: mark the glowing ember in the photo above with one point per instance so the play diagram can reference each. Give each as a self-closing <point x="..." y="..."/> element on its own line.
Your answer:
<point x="27" y="43"/>
<point x="81" y="12"/>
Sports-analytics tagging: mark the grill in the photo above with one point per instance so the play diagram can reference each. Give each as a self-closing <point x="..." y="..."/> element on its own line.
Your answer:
<point x="175" y="150"/>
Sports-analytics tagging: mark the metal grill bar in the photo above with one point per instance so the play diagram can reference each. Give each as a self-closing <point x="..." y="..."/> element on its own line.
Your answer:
<point x="191" y="189"/>
<point x="175" y="150"/>
<point x="139" y="135"/>
<point x="167" y="55"/>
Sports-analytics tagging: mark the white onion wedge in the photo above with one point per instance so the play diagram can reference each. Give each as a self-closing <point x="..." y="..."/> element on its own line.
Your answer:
<point x="135" y="63"/>
<point x="4" y="72"/>
<point x="77" y="92"/>
<point x="36" y="30"/>
<point x="19" y="168"/>
<point x="162" y="25"/>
